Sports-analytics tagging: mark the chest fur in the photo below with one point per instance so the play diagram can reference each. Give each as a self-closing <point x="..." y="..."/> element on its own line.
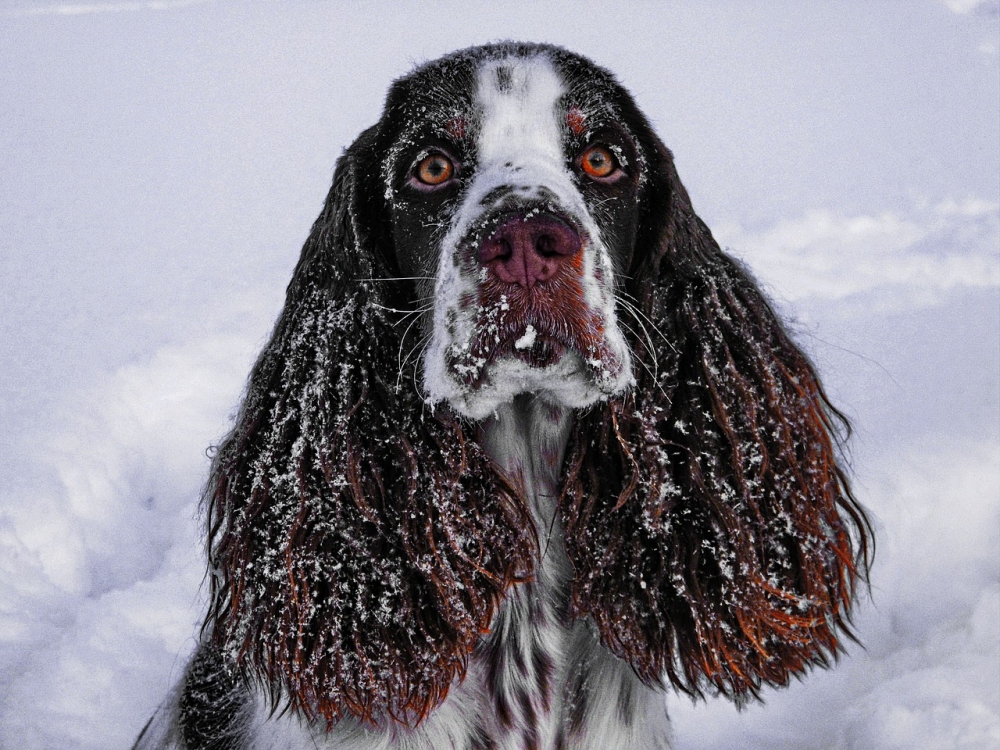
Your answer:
<point x="545" y="682"/>
<point x="522" y="663"/>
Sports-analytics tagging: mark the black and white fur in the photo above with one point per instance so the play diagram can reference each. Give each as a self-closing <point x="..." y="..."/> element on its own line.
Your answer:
<point x="514" y="120"/>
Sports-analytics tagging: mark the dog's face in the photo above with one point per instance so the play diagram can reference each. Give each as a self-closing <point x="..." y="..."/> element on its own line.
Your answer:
<point x="512" y="182"/>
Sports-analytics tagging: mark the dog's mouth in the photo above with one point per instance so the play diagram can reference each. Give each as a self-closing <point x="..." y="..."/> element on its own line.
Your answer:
<point x="530" y="344"/>
<point x="535" y="346"/>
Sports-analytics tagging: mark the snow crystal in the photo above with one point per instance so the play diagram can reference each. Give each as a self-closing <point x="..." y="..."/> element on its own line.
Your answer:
<point x="528" y="339"/>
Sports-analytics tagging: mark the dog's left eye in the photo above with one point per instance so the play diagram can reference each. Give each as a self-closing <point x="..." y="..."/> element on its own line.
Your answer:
<point x="598" y="162"/>
<point x="435" y="169"/>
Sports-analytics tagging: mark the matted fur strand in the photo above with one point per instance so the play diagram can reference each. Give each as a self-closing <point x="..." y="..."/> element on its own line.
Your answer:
<point x="359" y="544"/>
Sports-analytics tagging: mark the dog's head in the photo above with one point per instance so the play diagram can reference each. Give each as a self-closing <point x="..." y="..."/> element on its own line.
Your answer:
<point x="509" y="190"/>
<point x="513" y="225"/>
<point x="513" y="181"/>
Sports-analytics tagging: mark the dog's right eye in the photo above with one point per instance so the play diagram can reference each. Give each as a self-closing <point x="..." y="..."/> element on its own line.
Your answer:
<point x="598" y="162"/>
<point x="434" y="170"/>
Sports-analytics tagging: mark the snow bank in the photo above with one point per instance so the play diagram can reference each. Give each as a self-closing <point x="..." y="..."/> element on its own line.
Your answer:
<point x="100" y="554"/>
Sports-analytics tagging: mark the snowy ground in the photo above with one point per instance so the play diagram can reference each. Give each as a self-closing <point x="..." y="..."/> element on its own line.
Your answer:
<point x="161" y="163"/>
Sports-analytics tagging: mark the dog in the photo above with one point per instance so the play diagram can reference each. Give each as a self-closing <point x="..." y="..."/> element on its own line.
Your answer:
<point x="524" y="450"/>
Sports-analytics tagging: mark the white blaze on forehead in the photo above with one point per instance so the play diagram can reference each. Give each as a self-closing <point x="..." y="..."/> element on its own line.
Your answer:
<point x="519" y="98"/>
<point x="520" y="139"/>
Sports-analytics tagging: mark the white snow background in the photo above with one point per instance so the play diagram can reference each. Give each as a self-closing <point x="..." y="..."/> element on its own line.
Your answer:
<point x="162" y="162"/>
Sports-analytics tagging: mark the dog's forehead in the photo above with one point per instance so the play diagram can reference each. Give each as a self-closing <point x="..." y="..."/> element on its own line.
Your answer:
<point x="488" y="97"/>
<point x="518" y="104"/>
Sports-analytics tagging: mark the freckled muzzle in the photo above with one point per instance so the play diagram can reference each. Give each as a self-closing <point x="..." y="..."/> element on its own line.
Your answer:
<point x="531" y="305"/>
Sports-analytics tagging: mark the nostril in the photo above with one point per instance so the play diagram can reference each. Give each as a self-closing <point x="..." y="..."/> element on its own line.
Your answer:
<point x="545" y="246"/>
<point x="497" y="248"/>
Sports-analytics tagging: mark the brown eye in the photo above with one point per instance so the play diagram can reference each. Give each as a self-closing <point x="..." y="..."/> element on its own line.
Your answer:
<point x="435" y="169"/>
<point x="599" y="162"/>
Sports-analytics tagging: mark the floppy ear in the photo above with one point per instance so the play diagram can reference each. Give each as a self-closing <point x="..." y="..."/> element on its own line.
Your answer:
<point x="714" y="538"/>
<point x="358" y="543"/>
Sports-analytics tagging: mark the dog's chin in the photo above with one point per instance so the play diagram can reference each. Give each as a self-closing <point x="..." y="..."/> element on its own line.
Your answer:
<point x="556" y="375"/>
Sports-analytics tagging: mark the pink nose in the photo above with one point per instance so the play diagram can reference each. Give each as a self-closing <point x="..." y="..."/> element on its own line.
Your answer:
<point x="526" y="251"/>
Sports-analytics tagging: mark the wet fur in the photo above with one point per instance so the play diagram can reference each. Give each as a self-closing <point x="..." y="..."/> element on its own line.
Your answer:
<point x="394" y="566"/>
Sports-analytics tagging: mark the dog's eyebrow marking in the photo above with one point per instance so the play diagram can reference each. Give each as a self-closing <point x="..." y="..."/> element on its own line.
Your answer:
<point x="456" y="127"/>
<point x="575" y="120"/>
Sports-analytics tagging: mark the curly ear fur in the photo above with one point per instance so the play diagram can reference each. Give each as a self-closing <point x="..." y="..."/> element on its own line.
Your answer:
<point x="359" y="544"/>
<point x="714" y="538"/>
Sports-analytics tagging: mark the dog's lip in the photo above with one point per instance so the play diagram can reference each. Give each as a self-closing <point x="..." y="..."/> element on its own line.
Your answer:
<point x="520" y="345"/>
<point x="546" y="349"/>
<point x="542" y="350"/>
